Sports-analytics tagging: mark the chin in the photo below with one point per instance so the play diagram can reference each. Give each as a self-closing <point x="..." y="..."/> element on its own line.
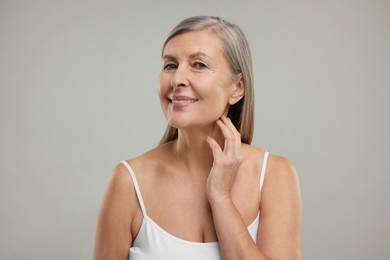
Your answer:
<point x="188" y="120"/>
<point x="188" y="124"/>
<point x="178" y="124"/>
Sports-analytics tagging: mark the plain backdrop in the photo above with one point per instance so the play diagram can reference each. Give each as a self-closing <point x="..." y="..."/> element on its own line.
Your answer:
<point x="78" y="94"/>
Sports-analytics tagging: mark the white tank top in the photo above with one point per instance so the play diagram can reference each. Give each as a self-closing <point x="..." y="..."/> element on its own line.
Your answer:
<point x="153" y="242"/>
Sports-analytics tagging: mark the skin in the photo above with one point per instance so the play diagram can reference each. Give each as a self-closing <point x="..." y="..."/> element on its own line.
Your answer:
<point x="204" y="186"/>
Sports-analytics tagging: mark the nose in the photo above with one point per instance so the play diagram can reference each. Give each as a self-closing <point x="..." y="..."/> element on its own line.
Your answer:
<point x="180" y="77"/>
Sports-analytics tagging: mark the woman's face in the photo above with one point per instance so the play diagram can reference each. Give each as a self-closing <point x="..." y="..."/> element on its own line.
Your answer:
<point x="196" y="84"/>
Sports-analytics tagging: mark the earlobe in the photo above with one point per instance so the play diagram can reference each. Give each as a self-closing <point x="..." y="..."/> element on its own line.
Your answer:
<point x="238" y="93"/>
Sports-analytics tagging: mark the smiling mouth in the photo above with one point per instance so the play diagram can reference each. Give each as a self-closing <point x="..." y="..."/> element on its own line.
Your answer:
<point x="182" y="101"/>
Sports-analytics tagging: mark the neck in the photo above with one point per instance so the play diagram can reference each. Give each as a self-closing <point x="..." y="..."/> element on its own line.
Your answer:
<point x="192" y="148"/>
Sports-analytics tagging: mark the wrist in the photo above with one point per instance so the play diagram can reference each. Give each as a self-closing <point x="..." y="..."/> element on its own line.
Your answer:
<point x="219" y="199"/>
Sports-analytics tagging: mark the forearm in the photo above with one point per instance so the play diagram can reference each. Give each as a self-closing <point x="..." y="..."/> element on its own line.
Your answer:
<point x="234" y="238"/>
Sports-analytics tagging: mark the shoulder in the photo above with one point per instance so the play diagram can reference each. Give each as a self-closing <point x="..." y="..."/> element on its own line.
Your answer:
<point x="117" y="210"/>
<point x="120" y="188"/>
<point x="281" y="171"/>
<point x="151" y="160"/>
<point x="281" y="210"/>
<point x="281" y="175"/>
<point x="251" y="153"/>
<point x="279" y="166"/>
<point x="281" y="186"/>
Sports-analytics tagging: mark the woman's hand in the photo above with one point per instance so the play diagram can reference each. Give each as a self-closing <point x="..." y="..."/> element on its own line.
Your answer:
<point x="226" y="161"/>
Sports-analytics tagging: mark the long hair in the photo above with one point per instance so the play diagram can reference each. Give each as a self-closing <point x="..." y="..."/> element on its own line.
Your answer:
<point x="237" y="51"/>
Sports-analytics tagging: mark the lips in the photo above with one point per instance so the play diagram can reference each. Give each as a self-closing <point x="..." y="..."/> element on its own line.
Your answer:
<point x="176" y="101"/>
<point x="182" y="100"/>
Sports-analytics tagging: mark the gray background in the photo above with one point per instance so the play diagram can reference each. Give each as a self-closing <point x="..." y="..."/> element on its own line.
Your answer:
<point x="78" y="94"/>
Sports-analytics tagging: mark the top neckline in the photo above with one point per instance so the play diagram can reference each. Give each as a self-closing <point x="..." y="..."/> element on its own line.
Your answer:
<point x="138" y="191"/>
<point x="148" y="219"/>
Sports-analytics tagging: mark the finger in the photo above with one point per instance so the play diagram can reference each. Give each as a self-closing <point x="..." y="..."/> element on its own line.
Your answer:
<point x="215" y="148"/>
<point x="232" y="136"/>
<point x="228" y="122"/>
<point x="227" y="133"/>
<point x="234" y="130"/>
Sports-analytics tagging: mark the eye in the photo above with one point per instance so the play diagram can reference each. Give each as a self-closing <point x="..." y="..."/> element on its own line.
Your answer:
<point x="170" y="66"/>
<point x="200" y="65"/>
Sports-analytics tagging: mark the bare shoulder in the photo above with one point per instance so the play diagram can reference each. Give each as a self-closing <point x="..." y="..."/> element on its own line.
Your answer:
<point x="120" y="188"/>
<point x="281" y="210"/>
<point x="251" y="153"/>
<point x="120" y="214"/>
<point x="278" y="168"/>
<point x="281" y="183"/>
<point x="150" y="160"/>
<point x="281" y="171"/>
<point x="281" y="164"/>
<point x="113" y="233"/>
<point x="120" y="179"/>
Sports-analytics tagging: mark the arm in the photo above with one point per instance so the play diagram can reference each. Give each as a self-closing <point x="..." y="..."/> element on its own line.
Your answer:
<point x="279" y="230"/>
<point x="281" y="212"/>
<point x="113" y="232"/>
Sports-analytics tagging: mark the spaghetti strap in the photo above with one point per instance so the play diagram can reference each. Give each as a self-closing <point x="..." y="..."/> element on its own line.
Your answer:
<point x="264" y="166"/>
<point x="137" y="190"/>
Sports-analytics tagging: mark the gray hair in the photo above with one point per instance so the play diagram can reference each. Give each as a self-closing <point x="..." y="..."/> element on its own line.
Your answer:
<point x="237" y="51"/>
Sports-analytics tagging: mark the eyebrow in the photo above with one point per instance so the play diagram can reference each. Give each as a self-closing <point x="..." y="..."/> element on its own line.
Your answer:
<point x="192" y="56"/>
<point x="199" y="54"/>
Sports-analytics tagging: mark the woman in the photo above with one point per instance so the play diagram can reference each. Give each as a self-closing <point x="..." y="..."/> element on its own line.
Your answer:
<point x="199" y="194"/>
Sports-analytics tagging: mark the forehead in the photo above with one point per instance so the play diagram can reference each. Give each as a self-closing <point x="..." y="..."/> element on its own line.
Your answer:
<point x="197" y="41"/>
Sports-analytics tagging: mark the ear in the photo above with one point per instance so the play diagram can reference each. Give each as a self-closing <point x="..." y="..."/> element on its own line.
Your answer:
<point x="238" y="92"/>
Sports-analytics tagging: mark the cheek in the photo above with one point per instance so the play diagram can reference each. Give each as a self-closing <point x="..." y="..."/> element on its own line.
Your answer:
<point x="222" y="94"/>
<point x="221" y="98"/>
<point x="163" y="85"/>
